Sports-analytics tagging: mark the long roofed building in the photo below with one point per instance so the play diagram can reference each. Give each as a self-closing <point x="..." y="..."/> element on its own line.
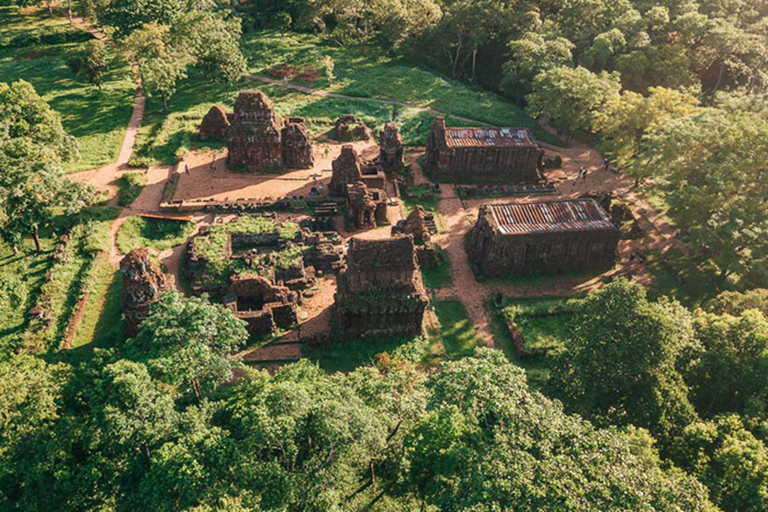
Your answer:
<point x="482" y="155"/>
<point x="550" y="236"/>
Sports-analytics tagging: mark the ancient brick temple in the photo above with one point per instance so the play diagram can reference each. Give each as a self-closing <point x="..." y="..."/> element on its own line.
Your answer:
<point x="347" y="170"/>
<point x="260" y="140"/>
<point x="264" y="306"/>
<point x="482" y="155"/>
<point x="365" y="208"/>
<point x="366" y="200"/>
<point x="143" y="283"/>
<point x="215" y="125"/>
<point x="390" y="148"/>
<point x="547" y="236"/>
<point x="380" y="293"/>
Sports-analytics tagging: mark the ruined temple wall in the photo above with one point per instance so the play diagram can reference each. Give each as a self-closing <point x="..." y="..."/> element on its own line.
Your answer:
<point x="364" y="280"/>
<point x="488" y="165"/>
<point x="496" y="254"/>
<point x="380" y="323"/>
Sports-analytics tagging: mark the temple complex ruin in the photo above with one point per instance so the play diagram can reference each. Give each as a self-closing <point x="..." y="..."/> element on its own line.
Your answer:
<point x="554" y="236"/>
<point x="264" y="306"/>
<point x="390" y="148"/>
<point x="143" y="283"/>
<point x="361" y="185"/>
<point x="482" y="155"/>
<point x="349" y="128"/>
<point x="416" y="225"/>
<point x="259" y="140"/>
<point x="380" y="293"/>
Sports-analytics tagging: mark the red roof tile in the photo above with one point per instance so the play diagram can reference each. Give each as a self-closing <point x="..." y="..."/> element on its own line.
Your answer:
<point x="569" y="215"/>
<point x="488" y="137"/>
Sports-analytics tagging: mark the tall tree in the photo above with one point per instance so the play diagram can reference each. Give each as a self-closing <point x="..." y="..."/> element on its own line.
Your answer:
<point x="160" y="64"/>
<point x="189" y="342"/>
<point x="619" y="363"/>
<point x="572" y="99"/>
<point x="714" y="163"/>
<point x="33" y="187"/>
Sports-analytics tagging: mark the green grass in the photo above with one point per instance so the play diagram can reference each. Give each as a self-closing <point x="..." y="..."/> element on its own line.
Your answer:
<point x="137" y="232"/>
<point x="539" y="331"/>
<point x="373" y="74"/>
<point x="130" y="186"/>
<point x="439" y="277"/>
<point x="456" y="329"/>
<point x="98" y="119"/>
<point x="345" y="357"/>
<point x="676" y="275"/>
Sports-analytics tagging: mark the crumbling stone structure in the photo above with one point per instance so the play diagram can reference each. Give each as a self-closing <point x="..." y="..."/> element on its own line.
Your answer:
<point x="143" y="284"/>
<point x="381" y="293"/>
<point x="348" y="128"/>
<point x="552" y="236"/>
<point x="390" y="148"/>
<point x="264" y="306"/>
<point x="215" y="125"/>
<point x="482" y="155"/>
<point x="259" y="140"/>
<point x="415" y="225"/>
<point x="347" y="170"/>
<point x="366" y="208"/>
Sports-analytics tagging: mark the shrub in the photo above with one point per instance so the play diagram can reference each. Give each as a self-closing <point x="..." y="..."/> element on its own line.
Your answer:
<point x="130" y="185"/>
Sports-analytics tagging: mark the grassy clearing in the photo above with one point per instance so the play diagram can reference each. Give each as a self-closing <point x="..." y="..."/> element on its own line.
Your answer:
<point x="154" y="234"/>
<point x="102" y="325"/>
<point x="439" y="277"/>
<point x="345" y="357"/>
<point x="98" y="119"/>
<point x="373" y="74"/>
<point x="130" y="186"/>
<point x="456" y="329"/>
<point x="533" y="319"/>
<point x="676" y="275"/>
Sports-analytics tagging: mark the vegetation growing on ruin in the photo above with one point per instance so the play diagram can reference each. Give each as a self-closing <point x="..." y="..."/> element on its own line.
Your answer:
<point x="129" y="187"/>
<point x="154" y="234"/>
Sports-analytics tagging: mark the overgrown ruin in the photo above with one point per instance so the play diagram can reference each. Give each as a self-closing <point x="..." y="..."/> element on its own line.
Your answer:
<point x="349" y="128"/>
<point x="361" y="185"/>
<point x="380" y="293"/>
<point x="554" y="236"/>
<point x="482" y="155"/>
<point x="264" y="306"/>
<point x="143" y="284"/>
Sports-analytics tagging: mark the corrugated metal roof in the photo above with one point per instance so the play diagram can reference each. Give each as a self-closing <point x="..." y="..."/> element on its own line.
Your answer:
<point x="570" y="215"/>
<point x="488" y="137"/>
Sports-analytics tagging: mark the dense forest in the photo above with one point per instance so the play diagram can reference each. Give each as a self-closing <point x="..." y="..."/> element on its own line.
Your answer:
<point x="649" y="405"/>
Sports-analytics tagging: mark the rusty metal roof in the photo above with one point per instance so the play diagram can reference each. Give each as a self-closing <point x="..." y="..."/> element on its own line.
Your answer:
<point x="569" y="215"/>
<point x="488" y="137"/>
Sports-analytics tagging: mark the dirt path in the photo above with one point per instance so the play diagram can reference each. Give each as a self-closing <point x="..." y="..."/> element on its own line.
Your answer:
<point x="471" y="295"/>
<point x="327" y="94"/>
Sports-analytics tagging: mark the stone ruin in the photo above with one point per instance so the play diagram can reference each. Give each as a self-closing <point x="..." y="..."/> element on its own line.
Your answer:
<point x="215" y="125"/>
<point x="348" y="128"/>
<point x="258" y="139"/>
<point x="380" y="294"/>
<point x="366" y="208"/>
<point x="415" y="224"/>
<point x="143" y="283"/>
<point x="390" y="148"/>
<point x="347" y="170"/>
<point x="362" y="186"/>
<point x="264" y="306"/>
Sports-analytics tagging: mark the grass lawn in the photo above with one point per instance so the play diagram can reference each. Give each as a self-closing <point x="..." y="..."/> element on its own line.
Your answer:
<point x="154" y="234"/>
<point x="21" y="277"/>
<point x="456" y="329"/>
<point x="676" y="275"/>
<point x="96" y="118"/>
<point x="345" y="357"/>
<point x="539" y="331"/>
<point x="373" y="74"/>
<point x="129" y="187"/>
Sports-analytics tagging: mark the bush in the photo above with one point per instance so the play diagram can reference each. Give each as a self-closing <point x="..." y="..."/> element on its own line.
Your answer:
<point x="130" y="185"/>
